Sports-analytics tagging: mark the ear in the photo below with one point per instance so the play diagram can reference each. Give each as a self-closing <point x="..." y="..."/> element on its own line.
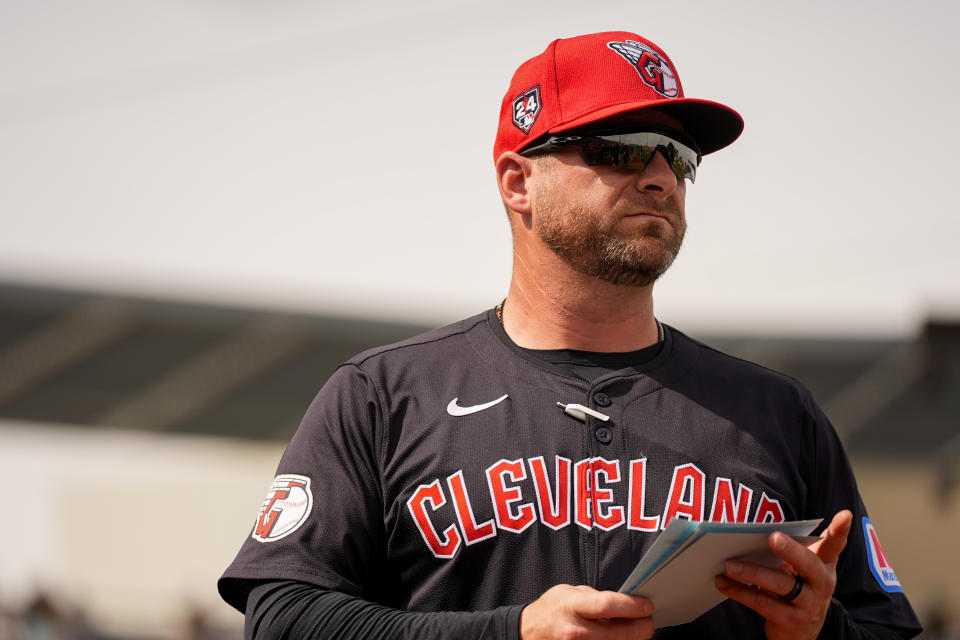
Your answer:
<point x="513" y="175"/>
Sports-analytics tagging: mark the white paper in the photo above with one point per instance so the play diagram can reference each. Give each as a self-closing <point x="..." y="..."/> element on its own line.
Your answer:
<point x="677" y="573"/>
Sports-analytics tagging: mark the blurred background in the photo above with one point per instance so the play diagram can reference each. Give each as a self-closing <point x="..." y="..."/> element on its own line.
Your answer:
<point x="205" y="206"/>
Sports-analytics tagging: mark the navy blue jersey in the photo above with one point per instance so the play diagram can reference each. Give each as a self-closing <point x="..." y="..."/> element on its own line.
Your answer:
<point x="440" y="474"/>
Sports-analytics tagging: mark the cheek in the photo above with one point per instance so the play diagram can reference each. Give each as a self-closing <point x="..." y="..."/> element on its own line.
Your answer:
<point x="680" y="201"/>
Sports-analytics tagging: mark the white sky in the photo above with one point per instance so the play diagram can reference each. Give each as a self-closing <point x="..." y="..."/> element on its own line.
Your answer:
<point x="337" y="159"/>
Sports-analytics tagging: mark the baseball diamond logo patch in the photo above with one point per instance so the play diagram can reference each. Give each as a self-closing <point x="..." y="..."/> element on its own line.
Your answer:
<point x="526" y="108"/>
<point x="877" y="560"/>
<point x="653" y="69"/>
<point x="286" y="507"/>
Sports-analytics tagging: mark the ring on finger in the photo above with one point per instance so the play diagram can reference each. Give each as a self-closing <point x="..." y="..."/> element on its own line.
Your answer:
<point x="795" y="591"/>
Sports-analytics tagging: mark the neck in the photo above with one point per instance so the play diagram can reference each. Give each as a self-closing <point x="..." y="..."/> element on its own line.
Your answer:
<point x="569" y="310"/>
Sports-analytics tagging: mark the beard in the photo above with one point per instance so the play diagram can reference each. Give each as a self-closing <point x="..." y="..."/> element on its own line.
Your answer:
<point x="591" y="243"/>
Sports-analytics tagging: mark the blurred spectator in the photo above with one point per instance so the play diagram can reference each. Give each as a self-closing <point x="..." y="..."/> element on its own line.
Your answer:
<point x="937" y="625"/>
<point x="198" y="626"/>
<point x="42" y="620"/>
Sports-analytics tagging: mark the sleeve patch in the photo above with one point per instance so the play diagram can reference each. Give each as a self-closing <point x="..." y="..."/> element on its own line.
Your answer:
<point x="286" y="507"/>
<point x="877" y="560"/>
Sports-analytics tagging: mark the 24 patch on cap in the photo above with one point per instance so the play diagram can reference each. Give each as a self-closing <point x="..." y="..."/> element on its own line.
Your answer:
<point x="877" y="560"/>
<point x="526" y="108"/>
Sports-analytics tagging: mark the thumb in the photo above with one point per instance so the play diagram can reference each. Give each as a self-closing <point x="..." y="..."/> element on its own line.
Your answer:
<point x="834" y="539"/>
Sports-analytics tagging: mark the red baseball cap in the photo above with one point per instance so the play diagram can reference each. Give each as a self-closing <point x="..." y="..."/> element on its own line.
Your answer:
<point x="586" y="79"/>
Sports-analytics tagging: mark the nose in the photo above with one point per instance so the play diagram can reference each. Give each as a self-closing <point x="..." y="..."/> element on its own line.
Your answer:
<point x="657" y="177"/>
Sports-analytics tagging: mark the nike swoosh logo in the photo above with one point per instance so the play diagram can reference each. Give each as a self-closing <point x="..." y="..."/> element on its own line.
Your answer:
<point x="456" y="410"/>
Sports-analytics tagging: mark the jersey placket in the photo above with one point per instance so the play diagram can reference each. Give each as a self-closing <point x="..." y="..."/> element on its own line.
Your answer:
<point x="599" y="436"/>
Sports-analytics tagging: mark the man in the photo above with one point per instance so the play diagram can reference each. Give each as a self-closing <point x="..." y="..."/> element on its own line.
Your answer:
<point x="458" y="483"/>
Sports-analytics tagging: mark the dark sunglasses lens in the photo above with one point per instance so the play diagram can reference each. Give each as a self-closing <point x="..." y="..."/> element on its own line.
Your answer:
<point x="635" y="157"/>
<point x="599" y="152"/>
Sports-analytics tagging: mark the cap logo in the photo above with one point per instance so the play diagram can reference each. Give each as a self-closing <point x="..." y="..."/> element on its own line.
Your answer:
<point x="286" y="507"/>
<point x="526" y="108"/>
<point x="653" y="69"/>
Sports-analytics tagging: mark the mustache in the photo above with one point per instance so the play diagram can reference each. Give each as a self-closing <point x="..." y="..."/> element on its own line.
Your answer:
<point x="666" y="208"/>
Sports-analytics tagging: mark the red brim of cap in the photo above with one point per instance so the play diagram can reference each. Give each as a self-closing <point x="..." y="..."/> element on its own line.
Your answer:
<point x="710" y="124"/>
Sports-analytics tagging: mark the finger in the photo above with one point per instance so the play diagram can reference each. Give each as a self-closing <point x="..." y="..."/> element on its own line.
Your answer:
<point x="774" y="581"/>
<point x="768" y="606"/>
<point x="835" y="537"/>
<point x="595" y="605"/>
<point x="804" y="561"/>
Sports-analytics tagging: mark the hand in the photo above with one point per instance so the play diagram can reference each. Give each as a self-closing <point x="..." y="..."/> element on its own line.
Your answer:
<point x="803" y="616"/>
<point x="585" y="613"/>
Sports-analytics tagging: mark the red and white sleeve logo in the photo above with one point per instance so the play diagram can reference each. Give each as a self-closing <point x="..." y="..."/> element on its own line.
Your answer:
<point x="286" y="507"/>
<point x="877" y="560"/>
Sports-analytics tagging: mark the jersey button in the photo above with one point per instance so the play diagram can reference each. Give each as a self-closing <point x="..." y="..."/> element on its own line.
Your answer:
<point x="602" y="399"/>
<point x="604" y="435"/>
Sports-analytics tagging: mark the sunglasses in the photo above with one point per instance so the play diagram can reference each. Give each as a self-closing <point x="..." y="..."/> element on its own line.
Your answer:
<point x="633" y="151"/>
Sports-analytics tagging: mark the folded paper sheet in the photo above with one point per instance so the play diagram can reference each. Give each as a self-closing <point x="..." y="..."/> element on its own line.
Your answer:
<point x="677" y="573"/>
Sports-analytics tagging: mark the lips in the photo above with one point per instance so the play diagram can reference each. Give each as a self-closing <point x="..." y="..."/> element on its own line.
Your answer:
<point x="650" y="214"/>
